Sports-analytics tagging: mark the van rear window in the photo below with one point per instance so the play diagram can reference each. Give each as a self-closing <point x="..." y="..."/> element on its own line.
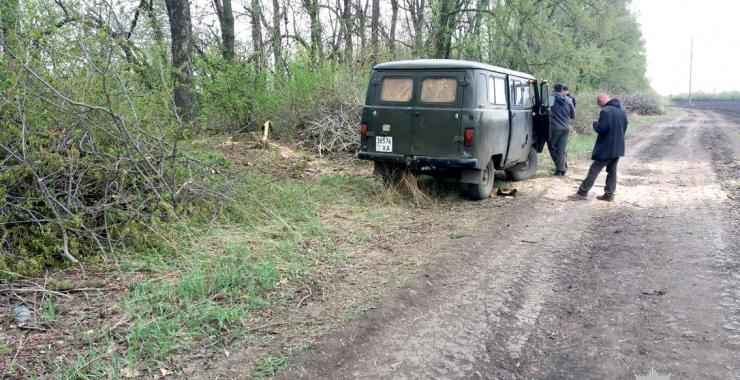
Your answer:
<point x="396" y="89"/>
<point x="439" y="90"/>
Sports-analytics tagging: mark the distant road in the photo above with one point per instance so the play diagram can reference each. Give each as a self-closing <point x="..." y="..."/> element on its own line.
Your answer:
<point x="729" y="108"/>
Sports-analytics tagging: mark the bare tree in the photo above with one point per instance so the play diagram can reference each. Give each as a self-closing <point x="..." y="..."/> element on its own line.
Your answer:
<point x="443" y="26"/>
<point x="392" y="35"/>
<point x="178" y="12"/>
<point x="374" y="28"/>
<point x="257" y="43"/>
<point x="226" y="21"/>
<point x="347" y="30"/>
<point x="415" y="9"/>
<point x="277" y="41"/>
<point x="312" y="7"/>
<point x="361" y="15"/>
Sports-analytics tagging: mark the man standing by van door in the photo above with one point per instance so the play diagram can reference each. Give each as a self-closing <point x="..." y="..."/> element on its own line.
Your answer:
<point x="561" y="112"/>
<point x="567" y="93"/>
<point x="611" y="127"/>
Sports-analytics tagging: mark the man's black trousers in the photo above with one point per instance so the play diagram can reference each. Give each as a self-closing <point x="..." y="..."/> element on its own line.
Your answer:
<point x="593" y="172"/>
<point x="557" y="144"/>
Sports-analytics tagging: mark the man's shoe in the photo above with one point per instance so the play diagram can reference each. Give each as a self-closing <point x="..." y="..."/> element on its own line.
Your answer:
<point x="559" y="174"/>
<point x="606" y="198"/>
<point x="577" y="197"/>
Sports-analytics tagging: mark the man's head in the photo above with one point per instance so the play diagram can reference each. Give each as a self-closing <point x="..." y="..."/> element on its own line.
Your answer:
<point x="558" y="88"/>
<point x="565" y="90"/>
<point x="601" y="100"/>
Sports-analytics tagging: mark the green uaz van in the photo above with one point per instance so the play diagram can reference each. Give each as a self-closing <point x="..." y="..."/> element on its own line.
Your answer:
<point x="454" y="118"/>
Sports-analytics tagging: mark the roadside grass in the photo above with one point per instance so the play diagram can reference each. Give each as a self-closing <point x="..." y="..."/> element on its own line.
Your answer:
<point x="205" y="281"/>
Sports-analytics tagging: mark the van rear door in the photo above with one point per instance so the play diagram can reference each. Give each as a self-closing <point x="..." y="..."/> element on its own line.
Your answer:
<point x="438" y="113"/>
<point x="391" y="120"/>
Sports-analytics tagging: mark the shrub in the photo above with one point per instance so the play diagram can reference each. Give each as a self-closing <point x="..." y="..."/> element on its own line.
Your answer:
<point x="642" y="103"/>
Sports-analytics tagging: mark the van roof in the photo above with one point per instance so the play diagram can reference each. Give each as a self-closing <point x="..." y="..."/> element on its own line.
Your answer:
<point x="416" y="64"/>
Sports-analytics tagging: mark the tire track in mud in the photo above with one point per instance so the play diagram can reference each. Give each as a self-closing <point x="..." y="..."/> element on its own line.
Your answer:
<point x="476" y="329"/>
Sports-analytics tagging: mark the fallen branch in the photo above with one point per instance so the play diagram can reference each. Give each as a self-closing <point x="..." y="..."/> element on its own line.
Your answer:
<point x="35" y="290"/>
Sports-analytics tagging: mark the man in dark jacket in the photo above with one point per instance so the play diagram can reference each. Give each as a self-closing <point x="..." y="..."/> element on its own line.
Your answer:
<point x="561" y="112"/>
<point x="610" y="127"/>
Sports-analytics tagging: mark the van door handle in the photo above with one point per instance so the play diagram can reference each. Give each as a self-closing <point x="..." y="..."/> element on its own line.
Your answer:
<point x="417" y="114"/>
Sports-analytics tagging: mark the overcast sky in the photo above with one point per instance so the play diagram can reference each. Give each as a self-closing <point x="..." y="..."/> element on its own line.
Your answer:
<point x="669" y="25"/>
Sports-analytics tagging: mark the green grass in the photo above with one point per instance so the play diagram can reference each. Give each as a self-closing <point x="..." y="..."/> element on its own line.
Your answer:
<point x="5" y="350"/>
<point x="268" y="366"/>
<point x="206" y="278"/>
<point x="456" y="235"/>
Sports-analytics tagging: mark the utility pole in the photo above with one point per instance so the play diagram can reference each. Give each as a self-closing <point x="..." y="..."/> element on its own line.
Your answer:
<point x="691" y="67"/>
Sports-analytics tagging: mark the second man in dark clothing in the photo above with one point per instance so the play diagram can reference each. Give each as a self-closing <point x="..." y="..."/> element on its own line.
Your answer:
<point x="562" y="111"/>
<point x="567" y="93"/>
<point x="610" y="127"/>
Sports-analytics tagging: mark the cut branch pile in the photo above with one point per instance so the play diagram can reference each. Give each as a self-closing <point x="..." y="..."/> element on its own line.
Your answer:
<point x="335" y="126"/>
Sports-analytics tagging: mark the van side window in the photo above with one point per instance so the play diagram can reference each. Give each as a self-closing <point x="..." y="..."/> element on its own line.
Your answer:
<point x="396" y="89"/>
<point x="439" y="90"/>
<point x="526" y="95"/>
<point x="485" y="89"/>
<point x="515" y="90"/>
<point x="491" y="91"/>
<point x="500" y="89"/>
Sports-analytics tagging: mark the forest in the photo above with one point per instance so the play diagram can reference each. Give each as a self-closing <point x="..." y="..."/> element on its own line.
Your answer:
<point x="110" y="111"/>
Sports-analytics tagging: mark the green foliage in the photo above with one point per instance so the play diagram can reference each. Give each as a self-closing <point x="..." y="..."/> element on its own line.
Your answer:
<point x="589" y="45"/>
<point x="235" y="96"/>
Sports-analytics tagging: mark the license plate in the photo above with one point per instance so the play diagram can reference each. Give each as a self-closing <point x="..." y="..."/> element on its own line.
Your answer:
<point x="383" y="144"/>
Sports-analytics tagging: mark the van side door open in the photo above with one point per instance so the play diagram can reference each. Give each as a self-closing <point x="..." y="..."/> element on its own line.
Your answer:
<point x="520" y="109"/>
<point x="438" y="113"/>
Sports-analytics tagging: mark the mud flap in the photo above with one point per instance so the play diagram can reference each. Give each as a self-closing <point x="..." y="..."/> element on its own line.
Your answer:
<point x="474" y="176"/>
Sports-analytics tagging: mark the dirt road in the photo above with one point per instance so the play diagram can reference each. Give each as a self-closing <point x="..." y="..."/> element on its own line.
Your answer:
<point x="544" y="288"/>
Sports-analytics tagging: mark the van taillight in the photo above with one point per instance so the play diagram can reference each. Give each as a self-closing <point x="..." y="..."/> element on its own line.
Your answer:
<point x="363" y="132"/>
<point x="468" y="138"/>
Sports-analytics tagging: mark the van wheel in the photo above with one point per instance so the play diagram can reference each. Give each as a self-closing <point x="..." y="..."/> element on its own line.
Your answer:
<point x="481" y="190"/>
<point x="526" y="169"/>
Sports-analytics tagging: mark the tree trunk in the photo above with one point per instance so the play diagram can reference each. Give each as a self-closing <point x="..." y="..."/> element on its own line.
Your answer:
<point x="257" y="44"/>
<point x="476" y="37"/>
<point x="178" y="12"/>
<point x="443" y="24"/>
<point x="347" y="30"/>
<point x="226" y="20"/>
<point x="374" y="29"/>
<point x="392" y="34"/>
<point x="312" y="7"/>
<point x="416" y="13"/>
<point x="362" y="18"/>
<point x="277" y="40"/>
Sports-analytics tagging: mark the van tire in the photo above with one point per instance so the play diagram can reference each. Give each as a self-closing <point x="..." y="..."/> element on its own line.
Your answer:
<point x="482" y="190"/>
<point x="524" y="170"/>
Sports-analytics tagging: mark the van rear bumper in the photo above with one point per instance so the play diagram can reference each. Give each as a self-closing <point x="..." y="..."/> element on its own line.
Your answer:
<point x="419" y="161"/>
